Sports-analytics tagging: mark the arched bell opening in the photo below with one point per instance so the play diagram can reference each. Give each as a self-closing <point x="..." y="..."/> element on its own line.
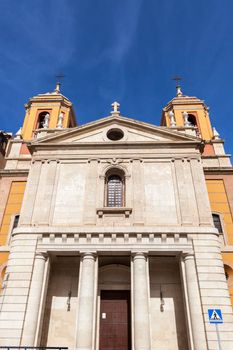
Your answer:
<point x="192" y="120"/>
<point x="41" y="121"/>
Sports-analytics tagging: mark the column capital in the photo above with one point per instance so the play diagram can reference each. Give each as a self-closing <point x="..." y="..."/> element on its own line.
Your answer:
<point x="139" y="255"/>
<point x="187" y="255"/>
<point x="88" y="255"/>
<point x="41" y="255"/>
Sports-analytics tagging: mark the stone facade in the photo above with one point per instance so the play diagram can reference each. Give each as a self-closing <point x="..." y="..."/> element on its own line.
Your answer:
<point x="160" y="245"/>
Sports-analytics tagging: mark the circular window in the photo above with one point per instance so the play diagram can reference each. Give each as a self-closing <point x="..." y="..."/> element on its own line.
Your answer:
<point x="115" y="134"/>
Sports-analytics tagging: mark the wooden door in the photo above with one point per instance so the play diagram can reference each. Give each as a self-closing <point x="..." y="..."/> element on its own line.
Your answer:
<point x="115" y="320"/>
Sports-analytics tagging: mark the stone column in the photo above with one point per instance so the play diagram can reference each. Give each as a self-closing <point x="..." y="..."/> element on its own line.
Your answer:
<point x="194" y="303"/>
<point x="34" y="300"/>
<point x="141" y="302"/>
<point x="86" y="302"/>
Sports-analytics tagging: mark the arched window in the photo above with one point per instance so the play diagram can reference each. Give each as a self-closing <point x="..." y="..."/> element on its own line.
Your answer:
<point x="229" y="275"/>
<point x="114" y="191"/>
<point x="114" y="188"/>
<point x="2" y="274"/>
<point x="15" y="222"/>
<point x="217" y="222"/>
<point x="41" y="120"/>
<point x="192" y="120"/>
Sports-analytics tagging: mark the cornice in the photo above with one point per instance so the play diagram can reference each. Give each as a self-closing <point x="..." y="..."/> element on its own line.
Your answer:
<point x="14" y="172"/>
<point x="218" y="170"/>
<point x="216" y="156"/>
<point x="122" y="121"/>
<point x="119" y="145"/>
<point x="227" y="249"/>
<point x="64" y="229"/>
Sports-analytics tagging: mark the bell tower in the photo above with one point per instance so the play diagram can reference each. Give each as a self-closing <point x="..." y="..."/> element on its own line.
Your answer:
<point x="188" y="113"/>
<point x="46" y="113"/>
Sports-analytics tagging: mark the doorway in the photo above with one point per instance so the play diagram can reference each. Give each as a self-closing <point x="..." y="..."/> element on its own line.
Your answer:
<point x="115" y="320"/>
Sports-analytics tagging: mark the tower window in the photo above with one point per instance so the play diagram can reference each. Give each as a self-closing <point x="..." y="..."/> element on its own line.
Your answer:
<point x="217" y="222"/>
<point x="192" y="120"/>
<point x="16" y="221"/>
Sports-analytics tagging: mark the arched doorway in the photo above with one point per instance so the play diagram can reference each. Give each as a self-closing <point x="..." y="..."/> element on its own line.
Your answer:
<point x="114" y="307"/>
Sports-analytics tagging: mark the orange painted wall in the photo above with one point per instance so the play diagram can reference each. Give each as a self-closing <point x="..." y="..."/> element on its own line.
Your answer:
<point x="3" y="260"/>
<point x="202" y="117"/>
<point x="13" y="207"/>
<point x="219" y="203"/>
<point x="54" y="109"/>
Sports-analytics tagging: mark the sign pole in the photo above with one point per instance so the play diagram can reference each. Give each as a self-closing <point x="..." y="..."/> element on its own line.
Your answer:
<point x="218" y="337"/>
<point x="215" y="317"/>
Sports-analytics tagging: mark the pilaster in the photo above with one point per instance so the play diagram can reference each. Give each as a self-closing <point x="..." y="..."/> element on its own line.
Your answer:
<point x="30" y="194"/>
<point x="202" y="200"/>
<point x="91" y="193"/>
<point x="138" y="191"/>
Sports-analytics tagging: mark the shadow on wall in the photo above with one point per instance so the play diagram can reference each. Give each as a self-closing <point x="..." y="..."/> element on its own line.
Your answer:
<point x="61" y="303"/>
<point x="168" y="323"/>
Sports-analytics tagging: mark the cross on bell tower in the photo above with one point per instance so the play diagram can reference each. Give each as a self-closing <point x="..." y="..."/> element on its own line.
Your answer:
<point x="58" y="83"/>
<point x="178" y="87"/>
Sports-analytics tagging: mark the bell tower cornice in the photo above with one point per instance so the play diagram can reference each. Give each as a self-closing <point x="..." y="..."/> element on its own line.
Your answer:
<point x="46" y="98"/>
<point x="185" y="101"/>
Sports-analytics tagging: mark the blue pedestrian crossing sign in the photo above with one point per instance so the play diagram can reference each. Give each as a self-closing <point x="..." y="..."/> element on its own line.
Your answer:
<point x="215" y="316"/>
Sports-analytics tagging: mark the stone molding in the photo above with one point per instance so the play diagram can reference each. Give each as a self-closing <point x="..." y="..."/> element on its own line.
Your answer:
<point x="131" y="230"/>
<point x="114" y="165"/>
<point x="113" y="210"/>
<point x="14" y="172"/>
<point x="135" y="243"/>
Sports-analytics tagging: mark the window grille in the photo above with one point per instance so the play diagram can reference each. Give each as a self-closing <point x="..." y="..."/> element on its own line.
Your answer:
<point x="114" y="191"/>
<point x="217" y="222"/>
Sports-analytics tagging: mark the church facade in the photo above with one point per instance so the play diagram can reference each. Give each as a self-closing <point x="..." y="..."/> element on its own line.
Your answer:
<point x="116" y="234"/>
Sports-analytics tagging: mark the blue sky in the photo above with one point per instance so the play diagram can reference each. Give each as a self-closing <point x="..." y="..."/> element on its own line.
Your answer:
<point x="124" y="50"/>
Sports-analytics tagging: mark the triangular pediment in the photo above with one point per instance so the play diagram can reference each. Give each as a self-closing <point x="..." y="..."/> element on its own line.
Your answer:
<point x="132" y="131"/>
